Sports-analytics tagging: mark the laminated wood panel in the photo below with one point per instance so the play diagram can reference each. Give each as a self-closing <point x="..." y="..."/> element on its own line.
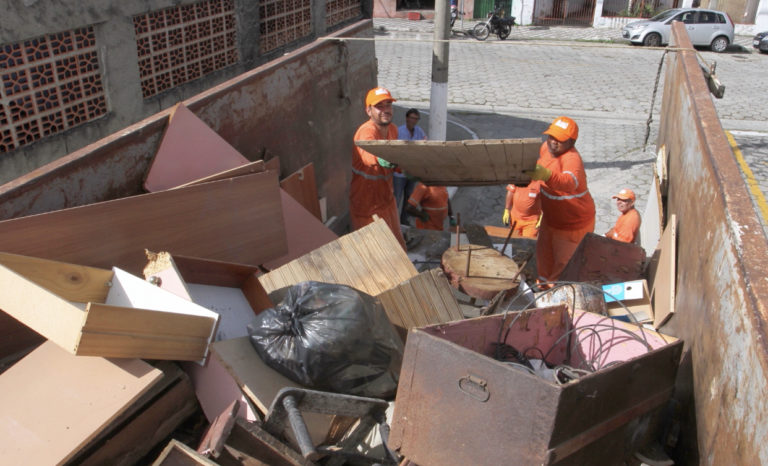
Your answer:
<point x="249" y="169"/>
<point x="53" y="402"/>
<point x="602" y="260"/>
<point x="461" y="163"/>
<point x="189" y="150"/>
<point x="664" y="275"/>
<point x="369" y="259"/>
<point x="235" y="220"/>
<point x="302" y="186"/>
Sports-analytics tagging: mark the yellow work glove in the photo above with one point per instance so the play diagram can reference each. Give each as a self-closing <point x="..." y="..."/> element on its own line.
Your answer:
<point x="538" y="224"/>
<point x="541" y="173"/>
<point x="505" y="218"/>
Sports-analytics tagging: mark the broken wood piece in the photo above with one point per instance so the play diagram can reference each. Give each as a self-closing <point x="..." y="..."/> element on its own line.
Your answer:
<point x="600" y="260"/>
<point x="302" y="186"/>
<point x="95" y="312"/>
<point x="178" y="454"/>
<point x="479" y="271"/>
<point x="461" y="163"/>
<point x="54" y="403"/>
<point x="217" y="433"/>
<point x="369" y="259"/>
<point x="189" y="150"/>
<point x="234" y="220"/>
<point x="251" y="439"/>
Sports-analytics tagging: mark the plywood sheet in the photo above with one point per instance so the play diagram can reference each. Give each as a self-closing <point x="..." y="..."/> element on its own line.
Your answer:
<point x="425" y="299"/>
<point x="305" y="233"/>
<point x="602" y="260"/>
<point x="664" y="275"/>
<point x="650" y="228"/>
<point x="461" y="163"/>
<point x="235" y="220"/>
<point x="302" y="186"/>
<point x="248" y="169"/>
<point x="189" y="150"/>
<point x="52" y="402"/>
<point x="369" y="259"/>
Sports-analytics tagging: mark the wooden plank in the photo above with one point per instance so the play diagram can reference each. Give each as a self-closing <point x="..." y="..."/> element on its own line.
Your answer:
<point x="220" y="220"/>
<point x="253" y="440"/>
<point x="248" y="169"/>
<point x="260" y="383"/>
<point x="189" y="150"/>
<point x="368" y="259"/>
<point x="302" y="186"/>
<point x="461" y="163"/>
<point x="178" y="454"/>
<point x="53" y="403"/>
<point x="663" y="288"/>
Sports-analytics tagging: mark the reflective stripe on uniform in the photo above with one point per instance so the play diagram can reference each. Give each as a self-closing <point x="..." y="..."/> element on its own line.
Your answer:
<point x="371" y="177"/>
<point x="575" y="180"/>
<point x="434" y="208"/>
<point x="563" y="198"/>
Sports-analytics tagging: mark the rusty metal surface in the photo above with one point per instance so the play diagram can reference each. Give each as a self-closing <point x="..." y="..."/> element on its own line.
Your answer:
<point x="456" y="405"/>
<point x="721" y="286"/>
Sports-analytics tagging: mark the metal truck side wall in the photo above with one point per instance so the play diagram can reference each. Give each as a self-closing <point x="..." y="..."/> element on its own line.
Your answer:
<point x="721" y="272"/>
<point x="303" y="107"/>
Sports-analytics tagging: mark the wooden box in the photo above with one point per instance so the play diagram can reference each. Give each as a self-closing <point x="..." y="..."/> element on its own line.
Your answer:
<point x="456" y="405"/>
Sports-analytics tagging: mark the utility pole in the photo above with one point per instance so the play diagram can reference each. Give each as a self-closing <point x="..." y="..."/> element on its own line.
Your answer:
<point x="438" y="98"/>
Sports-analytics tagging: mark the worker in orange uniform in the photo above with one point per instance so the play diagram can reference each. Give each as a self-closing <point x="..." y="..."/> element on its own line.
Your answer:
<point x="430" y="205"/>
<point x="628" y="223"/>
<point x="523" y="209"/>
<point x="371" y="191"/>
<point x="568" y="211"/>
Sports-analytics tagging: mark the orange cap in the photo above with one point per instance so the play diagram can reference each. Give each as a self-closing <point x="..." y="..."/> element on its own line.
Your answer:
<point x="625" y="194"/>
<point x="562" y="129"/>
<point x="376" y="95"/>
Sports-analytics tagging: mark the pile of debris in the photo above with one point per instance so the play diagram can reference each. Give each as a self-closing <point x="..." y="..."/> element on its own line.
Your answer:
<point x="123" y="319"/>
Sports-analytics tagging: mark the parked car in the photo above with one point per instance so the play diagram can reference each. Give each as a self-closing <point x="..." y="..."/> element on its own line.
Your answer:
<point x="705" y="27"/>
<point x="760" y="42"/>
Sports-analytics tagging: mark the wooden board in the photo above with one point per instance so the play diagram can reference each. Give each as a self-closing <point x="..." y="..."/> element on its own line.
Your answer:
<point x="52" y="403"/>
<point x="461" y="163"/>
<point x="664" y="275"/>
<point x="369" y="259"/>
<point x="488" y="273"/>
<point x="234" y="220"/>
<point x="260" y="383"/>
<point x="422" y="300"/>
<point x="650" y="228"/>
<point x="189" y="150"/>
<point x="302" y="186"/>
<point x="248" y="169"/>
<point x="178" y="454"/>
<point x="304" y="232"/>
<point x="601" y="260"/>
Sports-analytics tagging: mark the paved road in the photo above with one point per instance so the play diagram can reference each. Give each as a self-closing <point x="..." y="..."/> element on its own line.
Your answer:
<point x="514" y="88"/>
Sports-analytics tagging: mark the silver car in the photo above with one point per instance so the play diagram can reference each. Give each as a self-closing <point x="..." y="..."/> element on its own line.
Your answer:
<point x="705" y="27"/>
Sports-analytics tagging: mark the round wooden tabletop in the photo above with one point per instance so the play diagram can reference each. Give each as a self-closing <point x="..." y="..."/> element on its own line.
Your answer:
<point x="488" y="271"/>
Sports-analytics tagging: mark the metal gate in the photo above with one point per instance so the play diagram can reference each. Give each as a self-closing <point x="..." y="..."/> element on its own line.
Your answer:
<point x="563" y="12"/>
<point x="482" y="7"/>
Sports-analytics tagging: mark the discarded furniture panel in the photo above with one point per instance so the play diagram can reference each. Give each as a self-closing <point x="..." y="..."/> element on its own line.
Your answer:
<point x="145" y="423"/>
<point x="652" y="218"/>
<point x="302" y="186"/>
<point x="189" y="150"/>
<point x="602" y="260"/>
<point x="461" y="163"/>
<point x="662" y="271"/>
<point x="242" y="221"/>
<point x="629" y="301"/>
<point x="457" y="404"/>
<point x="178" y="454"/>
<point x="261" y="383"/>
<point x="53" y="402"/>
<point x="419" y="301"/>
<point x="248" y="169"/>
<point x="96" y="312"/>
<point x="480" y="271"/>
<point x="369" y="259"/>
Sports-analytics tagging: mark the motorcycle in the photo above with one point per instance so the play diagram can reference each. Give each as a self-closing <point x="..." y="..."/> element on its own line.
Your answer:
<point x="496" y="24"/>
<point x="454" y="12"/>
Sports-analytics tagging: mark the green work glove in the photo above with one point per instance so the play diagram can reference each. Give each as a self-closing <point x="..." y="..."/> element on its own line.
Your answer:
<point x="384" y="163"/>
<point x="451" y="220"/>
<point x="505" y="218"/>
<point x="541" y="173"/>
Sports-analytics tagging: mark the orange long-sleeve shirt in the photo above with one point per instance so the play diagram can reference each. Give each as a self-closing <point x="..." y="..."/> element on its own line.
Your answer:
<point x="565" y="199"/>
<point x="434" y="201"/>
<point x="371" y="187"/>
<point x="627" y="226"/>
<point x="524" y="202"/>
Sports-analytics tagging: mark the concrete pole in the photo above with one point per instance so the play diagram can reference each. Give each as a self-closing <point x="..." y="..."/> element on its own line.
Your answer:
<point x="438" y="99"/>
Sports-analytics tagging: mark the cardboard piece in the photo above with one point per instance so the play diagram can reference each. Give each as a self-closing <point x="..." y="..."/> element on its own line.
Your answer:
<point x="634" y="296"/>
<point x="95" y="312"/>
<point x="189" y="150"/>
<point x="234" y="220"/>
<point x="461" y="163"/>
<point x="53" y="403"/>
<point x="301" y="185"/>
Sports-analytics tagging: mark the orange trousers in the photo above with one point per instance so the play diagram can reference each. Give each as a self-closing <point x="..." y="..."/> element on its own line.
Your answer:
<point x="389" y="215"/>
<point x="554" y="249"/>
<point x="525" y="228"/>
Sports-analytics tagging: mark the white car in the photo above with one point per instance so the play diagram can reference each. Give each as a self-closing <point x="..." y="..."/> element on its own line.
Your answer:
<point x="705" y="28"/>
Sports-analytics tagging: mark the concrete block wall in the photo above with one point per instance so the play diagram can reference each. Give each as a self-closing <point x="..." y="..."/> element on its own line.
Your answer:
<point x="303" y="107"/>
<point x="722" y="291"/>
<point x="118" y="60"/>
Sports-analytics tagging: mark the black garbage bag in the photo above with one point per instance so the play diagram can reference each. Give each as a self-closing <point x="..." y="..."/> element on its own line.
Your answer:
<point x="330" y="337"/>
